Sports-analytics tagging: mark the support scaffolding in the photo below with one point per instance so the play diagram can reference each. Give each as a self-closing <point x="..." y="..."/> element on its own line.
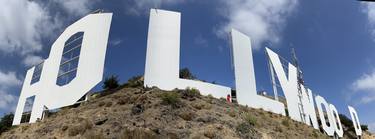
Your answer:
<point x="300" y="81"/>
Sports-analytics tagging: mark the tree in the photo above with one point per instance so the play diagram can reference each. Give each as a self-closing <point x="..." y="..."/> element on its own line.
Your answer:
<point x="364" y="127"/>
<point x="186" y="74"/>
<point x="6" y="122"/>
<point x="345" y="121"/>
<point x="111" y="82"/>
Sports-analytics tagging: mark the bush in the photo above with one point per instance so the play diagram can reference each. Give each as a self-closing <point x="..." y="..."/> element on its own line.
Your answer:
<point x="231" y="113"/>
<point x="345" y="120"/>
<point x="364" y="127"/>
<point x="243" y="128"/>
<point x="6" y="122"/>
<point x="285" y="122"/>
<point x="186" y="74"/>
<point x="136" y="81"/>
<point x="171" y="98"/>
<point x="190" y="94"/>
<point x="187" y="116"/>
<point x="250" y="119"/>
<point x="111" y="83"/>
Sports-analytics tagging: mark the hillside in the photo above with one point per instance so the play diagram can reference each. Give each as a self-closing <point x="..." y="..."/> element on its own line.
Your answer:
<point x="137" y="112"/>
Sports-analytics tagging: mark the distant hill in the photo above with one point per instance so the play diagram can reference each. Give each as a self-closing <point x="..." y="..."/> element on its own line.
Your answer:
<point x="134" y="112"/>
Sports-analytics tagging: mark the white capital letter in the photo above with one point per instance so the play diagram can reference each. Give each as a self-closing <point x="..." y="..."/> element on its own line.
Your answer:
<point x="163" y="56"/>
<point x="245" y="78"/>
<point x="356" y="123"/>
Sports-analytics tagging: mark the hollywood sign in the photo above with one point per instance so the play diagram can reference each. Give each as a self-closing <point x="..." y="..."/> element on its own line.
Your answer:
<point x="76" y="62"/>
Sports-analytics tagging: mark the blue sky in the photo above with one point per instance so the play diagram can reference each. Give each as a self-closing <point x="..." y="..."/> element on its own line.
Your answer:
<point x="334" y="40"/>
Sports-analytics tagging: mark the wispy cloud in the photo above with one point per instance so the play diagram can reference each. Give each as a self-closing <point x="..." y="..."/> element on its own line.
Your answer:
<point x="23" y="23"/>
<point x="115" y="42"/>
<point x="200" y="41"/>
<point x="142" y="7"/>
<point x="369" y="9"/>
<point x="8" y="80"/>
<point x="262" y="20"/>
<point x="364" y="87"/>
<point x="77" y="7"/>
<point x="32" y="60"/>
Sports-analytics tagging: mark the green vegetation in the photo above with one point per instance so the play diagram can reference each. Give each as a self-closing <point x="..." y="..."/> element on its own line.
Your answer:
<point x="186" y="74"/>
<point x="349" y="123"/>
<point x="243" y="128"/>
<point x="170" y="98"/>
<point x="190" y="93"/>
<point x="250" y="119"/>
<point x="285" y="122"/>
<point x="111" y="83"/>
<point x="6" y="122"/>
<point x="135" y="81"/>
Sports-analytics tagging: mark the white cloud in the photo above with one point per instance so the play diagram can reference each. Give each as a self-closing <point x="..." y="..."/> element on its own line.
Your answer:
<point x="200" y="41"/>
<point x="23" y="23"/>
<point x="7" y="81"/>
<point x="262" y="20"/>
<point x="365" y="85"/>
<point x="32" y="60"/>
<point x="142" y="7"/>
<point x="6" y="100"/>
<point x="77" y="7"/>
<point x="115" y="42"/>
<point x="369" y="9"/>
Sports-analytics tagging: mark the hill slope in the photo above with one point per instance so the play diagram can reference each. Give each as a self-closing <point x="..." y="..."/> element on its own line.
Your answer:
<point x="137" y="112"/>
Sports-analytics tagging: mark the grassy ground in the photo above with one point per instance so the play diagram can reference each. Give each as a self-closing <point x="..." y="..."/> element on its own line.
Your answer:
<point x="140" y="113"/>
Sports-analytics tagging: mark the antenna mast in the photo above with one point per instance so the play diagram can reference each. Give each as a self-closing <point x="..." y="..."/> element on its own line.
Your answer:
<point x="300" y="83"/>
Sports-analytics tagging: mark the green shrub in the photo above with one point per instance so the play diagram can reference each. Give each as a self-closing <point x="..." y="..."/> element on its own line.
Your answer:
<point x="231" y="113"/>
<point x="190" y="94"/>
<point x="285" y="122"/>
<point x="243" y="128"/>
<point x="187" y="116"/>
<point x="136" y="81"/>
<point x="315" y="134"/>
<point x="186" y="74"/>
<point x="250" y="119"/>
<point x="210" y="96"/>
<point x="171" y="98"/>
<point x="111" y="82"/>
<point x="6" y="122"/>
<point x="364" y="127"/>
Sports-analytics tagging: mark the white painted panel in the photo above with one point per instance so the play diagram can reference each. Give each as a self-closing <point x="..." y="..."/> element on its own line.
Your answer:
<point x="355" y="119"/>
<point x="245" y="77"/>
<point x="288" y="84"/>
<point x="163" y="56"/>
<point x="320" y="101"/>
<point x="309" y="107"/>
<point x="337" y="121"/>
<point x="89" y="73"/>
<point x="163" y="49"/>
